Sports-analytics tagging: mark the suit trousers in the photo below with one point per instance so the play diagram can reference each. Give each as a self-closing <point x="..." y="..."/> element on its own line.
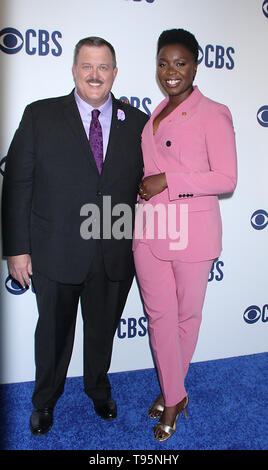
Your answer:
<point x="173" y="293"/>
<point x="102" y="304"/>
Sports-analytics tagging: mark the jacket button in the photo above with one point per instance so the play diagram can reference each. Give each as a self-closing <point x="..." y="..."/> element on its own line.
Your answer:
<point x="168" y="143"/>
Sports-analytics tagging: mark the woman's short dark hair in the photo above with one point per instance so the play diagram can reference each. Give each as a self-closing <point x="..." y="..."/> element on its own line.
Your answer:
<point x="94" y="41"/>
<point x="178" y="36"/>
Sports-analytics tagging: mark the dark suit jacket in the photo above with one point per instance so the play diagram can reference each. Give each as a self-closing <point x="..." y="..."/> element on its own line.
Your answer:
<point x="51" y="173"/>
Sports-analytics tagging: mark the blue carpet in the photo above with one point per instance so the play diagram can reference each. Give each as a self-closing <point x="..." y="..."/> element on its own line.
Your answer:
<point x="227" y="411"/>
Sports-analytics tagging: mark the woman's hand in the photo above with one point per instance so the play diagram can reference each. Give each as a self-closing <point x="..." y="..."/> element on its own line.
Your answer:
<point x="152" y="185"/>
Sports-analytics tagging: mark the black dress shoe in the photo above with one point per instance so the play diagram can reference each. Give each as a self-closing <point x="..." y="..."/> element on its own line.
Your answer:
<point x="41" y="421"/>
<point x="106" y="409"/>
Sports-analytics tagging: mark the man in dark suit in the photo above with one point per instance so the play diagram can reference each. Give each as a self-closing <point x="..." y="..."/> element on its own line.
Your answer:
<point x="65" y="159"/>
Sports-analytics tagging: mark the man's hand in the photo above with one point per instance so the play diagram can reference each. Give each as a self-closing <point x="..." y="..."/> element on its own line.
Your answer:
<point x="152" y="185"/>
<point x="20" y="268"/>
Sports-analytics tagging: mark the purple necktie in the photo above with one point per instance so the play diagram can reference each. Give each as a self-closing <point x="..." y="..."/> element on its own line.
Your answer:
<point x="95" y="139"/>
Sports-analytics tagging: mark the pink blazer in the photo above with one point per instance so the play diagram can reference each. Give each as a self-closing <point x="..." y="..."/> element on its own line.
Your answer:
<point x="195" y="147"/>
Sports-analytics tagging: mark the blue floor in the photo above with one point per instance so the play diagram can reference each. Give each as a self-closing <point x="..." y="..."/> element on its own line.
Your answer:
<point x="227" y="411"/>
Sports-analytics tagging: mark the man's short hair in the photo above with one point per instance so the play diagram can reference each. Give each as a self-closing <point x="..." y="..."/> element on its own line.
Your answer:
<point x="94" y="41"/>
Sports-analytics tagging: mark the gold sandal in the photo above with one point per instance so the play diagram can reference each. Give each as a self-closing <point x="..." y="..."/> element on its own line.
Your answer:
<point x="156" y="410"/>
<point x="169" y="430"/>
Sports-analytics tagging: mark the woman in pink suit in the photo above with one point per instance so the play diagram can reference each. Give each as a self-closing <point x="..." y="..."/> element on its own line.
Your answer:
<point x="189" y="159"/>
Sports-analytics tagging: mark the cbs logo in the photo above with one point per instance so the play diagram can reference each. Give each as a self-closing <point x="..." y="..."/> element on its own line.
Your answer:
<point x="138" y="103"/>
<point x="13" y="287"/>
<point x="131" y="327"/>
<point x="216" y="271"/>
<point x="259" y="219"/>
<point x="254" y="313"/>
<point x="39" y="42"/>
<point x="262" y="115"/>
<point x="216" y="56"/>
<point x="265" y="8"/>
<point x="2" y="165"/>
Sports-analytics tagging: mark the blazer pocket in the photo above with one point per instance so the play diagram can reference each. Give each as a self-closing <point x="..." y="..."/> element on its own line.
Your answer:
<point x="202" y="203"/>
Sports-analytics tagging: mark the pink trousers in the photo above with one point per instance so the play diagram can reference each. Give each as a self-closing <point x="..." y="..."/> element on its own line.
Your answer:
<point x="173" y="293"/>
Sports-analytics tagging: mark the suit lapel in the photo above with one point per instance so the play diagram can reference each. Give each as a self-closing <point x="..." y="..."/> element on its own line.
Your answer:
<point x="155" y="152"/>
<point x="116" y="132"/>
<point x="181" y="114"/>
<point x="72" y="117"/>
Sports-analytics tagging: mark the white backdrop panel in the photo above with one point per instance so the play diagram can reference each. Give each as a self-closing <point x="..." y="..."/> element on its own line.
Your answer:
<point x="36" y="59"/>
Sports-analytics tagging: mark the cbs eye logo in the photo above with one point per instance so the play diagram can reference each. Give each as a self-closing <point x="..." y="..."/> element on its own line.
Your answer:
<point x="2" y="166"/>
<point x="262" y="115"/>
<point x="259" y="219"/>
<point x="265" y="8"/>
<point x="254" y="313"/>
<point x="13" y="287"/>
<point x="11" y="40"/>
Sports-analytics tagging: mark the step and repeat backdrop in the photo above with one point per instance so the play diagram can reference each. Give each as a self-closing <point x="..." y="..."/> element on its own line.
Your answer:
<point x="37" y="40"/>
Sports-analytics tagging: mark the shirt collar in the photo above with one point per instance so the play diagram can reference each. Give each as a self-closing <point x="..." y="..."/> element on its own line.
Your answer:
<point x="87" y="108"/>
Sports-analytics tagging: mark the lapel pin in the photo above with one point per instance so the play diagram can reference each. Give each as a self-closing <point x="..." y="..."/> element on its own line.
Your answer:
<point x="121" y="115"/>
